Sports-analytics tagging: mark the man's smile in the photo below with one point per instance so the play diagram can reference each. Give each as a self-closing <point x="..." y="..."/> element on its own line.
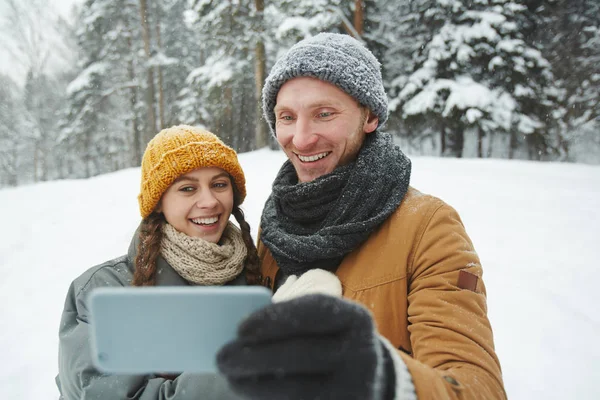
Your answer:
<point x="313" y="158"/>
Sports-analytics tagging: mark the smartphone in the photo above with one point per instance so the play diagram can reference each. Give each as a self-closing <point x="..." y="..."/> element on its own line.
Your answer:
<point x="141" y="330"/>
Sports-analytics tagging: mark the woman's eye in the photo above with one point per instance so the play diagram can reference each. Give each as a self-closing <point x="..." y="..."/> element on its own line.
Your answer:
<point x="221" y="185"/>
<point x="186" y="189"/>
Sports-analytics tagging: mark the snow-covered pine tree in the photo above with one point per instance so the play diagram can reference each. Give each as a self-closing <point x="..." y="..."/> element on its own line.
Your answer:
<point x="394" y="32"/>
<point x="569" y="32"/>
<point x="36" y="47"/>
<point x="42" y="96"/>
<point x="289" y="21"/>
<point x="12" y="133"/>
<point x="261" y="131"/>
<point x="219" y="93"/>
<point x="477" y="81"/>
<point x="103" y="120"/>
<point x="384" y="21"/>
<point x="588" y="140"/>
<point x="178" y="52"/>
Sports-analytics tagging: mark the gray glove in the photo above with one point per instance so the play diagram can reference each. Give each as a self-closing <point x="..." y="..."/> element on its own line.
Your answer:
<point x="311" y="347"/>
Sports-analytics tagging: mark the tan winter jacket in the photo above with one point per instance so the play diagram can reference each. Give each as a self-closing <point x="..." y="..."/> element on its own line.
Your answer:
<point x="420" y="276"/>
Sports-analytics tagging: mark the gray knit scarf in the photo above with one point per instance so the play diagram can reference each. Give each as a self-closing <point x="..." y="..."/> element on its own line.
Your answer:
<point x="315" y="224"/>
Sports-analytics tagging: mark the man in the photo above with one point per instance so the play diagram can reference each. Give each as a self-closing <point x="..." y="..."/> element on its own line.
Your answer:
<point x="412" y="322"/>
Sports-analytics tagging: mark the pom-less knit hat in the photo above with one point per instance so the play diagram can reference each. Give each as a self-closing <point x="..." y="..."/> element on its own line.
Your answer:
<point x="178" y="150"/>
<point x="334" y="58"/>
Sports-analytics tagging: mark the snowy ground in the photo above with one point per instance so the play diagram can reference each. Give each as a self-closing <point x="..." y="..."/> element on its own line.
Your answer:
<point x="536" y="227"/>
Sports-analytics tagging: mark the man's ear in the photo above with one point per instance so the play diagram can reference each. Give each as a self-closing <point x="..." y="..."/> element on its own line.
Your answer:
<point x="371" y="122"/>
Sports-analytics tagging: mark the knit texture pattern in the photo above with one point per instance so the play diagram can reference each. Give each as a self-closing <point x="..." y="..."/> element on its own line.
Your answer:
<point x="315" y="281"/>
<point x="335" y="58"/>
<point x="404" y="388"/>
<point x="310" y="347"/>
<point x="315" y="224"/>
<point x="201" y="262"/>
<point x="178" y="150"/>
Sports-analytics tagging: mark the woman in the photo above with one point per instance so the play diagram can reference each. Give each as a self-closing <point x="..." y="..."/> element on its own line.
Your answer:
<point x="191" y="184"/>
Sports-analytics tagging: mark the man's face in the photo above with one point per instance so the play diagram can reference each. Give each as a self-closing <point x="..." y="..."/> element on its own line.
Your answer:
<point x="319" y="126"/>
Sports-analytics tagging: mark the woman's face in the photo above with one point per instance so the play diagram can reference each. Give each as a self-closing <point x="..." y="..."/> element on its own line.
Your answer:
<point x="199" y="203"/>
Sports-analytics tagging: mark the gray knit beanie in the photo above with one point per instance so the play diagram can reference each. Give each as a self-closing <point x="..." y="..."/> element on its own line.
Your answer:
<point x="334" y="58"/>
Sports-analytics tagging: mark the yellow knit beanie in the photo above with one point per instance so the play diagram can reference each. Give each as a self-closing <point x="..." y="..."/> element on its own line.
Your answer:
<point x="178" y="150"/>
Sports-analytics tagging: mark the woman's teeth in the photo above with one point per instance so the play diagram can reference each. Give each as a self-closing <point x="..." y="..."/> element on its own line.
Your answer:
<point x="205" y="221"/>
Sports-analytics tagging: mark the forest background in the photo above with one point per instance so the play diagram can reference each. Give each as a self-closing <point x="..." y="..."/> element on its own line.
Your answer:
<point x="82" y="92"/>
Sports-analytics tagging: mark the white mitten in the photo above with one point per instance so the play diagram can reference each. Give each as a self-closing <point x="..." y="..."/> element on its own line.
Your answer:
<point x="315" y="281"/>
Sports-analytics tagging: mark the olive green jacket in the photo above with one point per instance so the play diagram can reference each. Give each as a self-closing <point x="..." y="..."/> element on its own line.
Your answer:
<point x="78" y="379"/>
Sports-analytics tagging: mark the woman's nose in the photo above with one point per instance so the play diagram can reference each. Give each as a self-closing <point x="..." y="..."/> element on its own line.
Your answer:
<point x="206" y="199"/>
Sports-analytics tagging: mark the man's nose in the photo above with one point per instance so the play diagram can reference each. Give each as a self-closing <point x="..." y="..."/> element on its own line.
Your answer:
<point x="305" y="135"/>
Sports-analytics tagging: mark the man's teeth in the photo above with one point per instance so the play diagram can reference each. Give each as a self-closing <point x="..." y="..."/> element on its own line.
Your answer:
<point x="312" y="158"/>
<point x="205" y="221"/>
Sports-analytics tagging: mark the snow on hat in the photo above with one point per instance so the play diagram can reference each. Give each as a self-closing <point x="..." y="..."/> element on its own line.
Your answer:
<point x="335" y="58"/>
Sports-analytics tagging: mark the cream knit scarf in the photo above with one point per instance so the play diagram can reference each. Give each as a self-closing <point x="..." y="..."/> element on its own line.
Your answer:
<point x="201" y="262"/>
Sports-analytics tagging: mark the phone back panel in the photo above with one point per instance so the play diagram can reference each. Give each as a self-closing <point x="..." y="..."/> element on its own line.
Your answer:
<point x="167" y="329"/>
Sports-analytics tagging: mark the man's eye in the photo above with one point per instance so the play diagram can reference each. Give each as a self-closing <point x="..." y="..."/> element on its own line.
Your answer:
<point x="325" y="114"/>
<point x="286" y="117"/>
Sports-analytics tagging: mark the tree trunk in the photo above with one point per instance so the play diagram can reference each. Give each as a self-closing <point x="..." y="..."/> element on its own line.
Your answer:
<point x="86" y="153"/>
<point x="36" y="162"/>
<point x="137" y="140"/>
<point x="512" y="144"/>
<point x="563" y="149"/>
<point x="459" y="142"/>
<point x="43" y="162"/>
<point x="13" y="179"/>
<point x="359" y="17"/>
<point x="443" y="141"/>
<point x="261" y="131"/>
<point x="227" y="127"/>
<point x="479" y="142"/>
<point x="151" y="114"/>
<point x="161" y="92"/>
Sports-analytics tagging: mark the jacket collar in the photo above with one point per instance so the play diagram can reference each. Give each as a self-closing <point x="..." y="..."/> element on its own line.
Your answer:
<point x="165" y="274"/>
